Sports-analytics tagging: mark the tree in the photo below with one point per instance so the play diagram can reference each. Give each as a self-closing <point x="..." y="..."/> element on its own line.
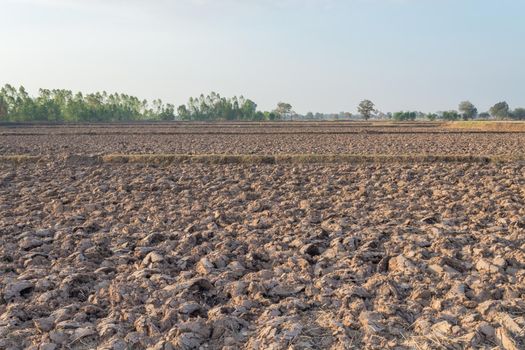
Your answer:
<point x="3" y="108"/>
<point x="284" y="110"/>
<point x="431" y="116"/>
<point x="167" y="112"/>
<point x="450" y="115"/>
<point x="500" y="110"/>
<point x="182" y="113"/>
<point x="467" y="110"/>
<point x="404" y="116"/>
<point x="397" y="116"/>
<point x="64" y="105"/>
<point x="259" y="116"/>
<point x="270" y="116"/>
<point x="484" y="115"/>
<point x="366" y="108"/>
<point x="518" y="114"/>
<point x="215" y="107"/>
<point x="249" y="110"/>
<point x="381" y="115"/>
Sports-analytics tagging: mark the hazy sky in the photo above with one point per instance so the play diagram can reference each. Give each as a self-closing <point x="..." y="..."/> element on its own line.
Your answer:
<point x="318" y="55"/>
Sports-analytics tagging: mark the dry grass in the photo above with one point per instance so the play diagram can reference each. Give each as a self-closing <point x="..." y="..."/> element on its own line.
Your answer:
<point x="302" y="158"/>
<point x="164" y="159"/>
<point x="501" y="126"/>
<point x="186" y="158"/>
<point x="18" y="159"/>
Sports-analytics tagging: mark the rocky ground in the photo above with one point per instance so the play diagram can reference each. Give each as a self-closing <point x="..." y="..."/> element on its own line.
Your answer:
<point x="390" y="143"/>
<point x="413" y="256"/>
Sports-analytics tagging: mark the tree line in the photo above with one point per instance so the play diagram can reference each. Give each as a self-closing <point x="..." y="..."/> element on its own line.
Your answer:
<point x="215" y="107"/>
<point x="16" y="105"/>
<point x="58" y="105"/>
<point x="466" y="111"/>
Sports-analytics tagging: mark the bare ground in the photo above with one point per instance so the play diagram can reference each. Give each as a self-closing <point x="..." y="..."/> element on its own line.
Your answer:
<point x="369" y="256"/>
<point x="485" y="144"/>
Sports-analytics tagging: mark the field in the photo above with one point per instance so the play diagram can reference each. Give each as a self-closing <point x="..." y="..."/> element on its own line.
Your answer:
<point x="276" y="138"/>
<point x="333" y="235"/>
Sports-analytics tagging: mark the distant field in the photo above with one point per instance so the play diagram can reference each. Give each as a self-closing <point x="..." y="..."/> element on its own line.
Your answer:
<point x="377" y="138"/>
<point x="260" y="127"/>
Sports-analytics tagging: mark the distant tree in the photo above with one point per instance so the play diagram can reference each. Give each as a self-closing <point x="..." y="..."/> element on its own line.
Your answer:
<point x="64" y="105"/>
<point x="500" y="110"/>
<point x="309" y="116"/>
<point x="484" y="116"/>
<point x="451" y="115"/>
<point x="215" y="107"/>
<point x="167" y="112"/>
<point x="284" y="110"/>
<point x="366" y="108"/>
<point x="467" y="110"/>
<point x="381" y="115"/>
<point x="46" y="107"/>
<point x="348" y="115"/>
<point x="183" y="113"/>
<point x="271" y="116"/>
<point x="259" y="116"/>
<point x="431" y="116"/>
<point x="404" y="116"/>
<point x="397" y="116"/>
<point x="10" y="99"/>
<point x="518" y="114"/>
<point x="248" y="110"/>
<point x="3" y="108"/>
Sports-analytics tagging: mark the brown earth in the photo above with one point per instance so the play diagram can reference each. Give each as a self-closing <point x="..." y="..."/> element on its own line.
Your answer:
<point x="403" y="253"/>
<point x="369" y="256"/>
<point x="392" y="144"/>
<point x="386" y="138"/>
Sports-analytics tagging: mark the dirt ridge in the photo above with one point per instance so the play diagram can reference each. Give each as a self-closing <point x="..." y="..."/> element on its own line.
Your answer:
<point x="261" y="159"/>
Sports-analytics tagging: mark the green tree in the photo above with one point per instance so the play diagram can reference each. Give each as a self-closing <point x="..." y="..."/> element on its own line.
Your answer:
<point x="431" y="116"/>
<point x="271" y="116"/>
<point x="3" y="109"/>
<point x="468" y="110"/>
<point x="404" y="116"/>
<point x="500" y="110"/>
<point x="183" y="113"/>
<point x="215" y="107"/>
<point x="248" y="110"/>
<point x="259" y="116"/>
<point x="63" y="105"/>
<point x="284" y="110"/>
<point x="366" y="108"/>
<point x="167" y="112"/>
<point x="518" y="114"/>
<point x="451" y="115"/>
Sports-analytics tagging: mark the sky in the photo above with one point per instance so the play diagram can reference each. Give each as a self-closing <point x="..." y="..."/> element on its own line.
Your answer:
<point x="318" y="55"/>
